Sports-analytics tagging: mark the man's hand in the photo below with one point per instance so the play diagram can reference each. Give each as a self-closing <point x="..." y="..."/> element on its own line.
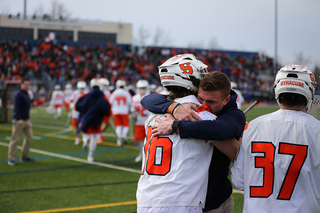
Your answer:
<point x="20" y="122"/>
<point x="164" y="126"/>
<point x="184" y="112"/>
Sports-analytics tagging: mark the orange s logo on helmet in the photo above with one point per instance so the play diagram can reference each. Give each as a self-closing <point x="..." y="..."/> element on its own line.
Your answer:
<point x="312" y="79"/>
<point x="186" y="68"/>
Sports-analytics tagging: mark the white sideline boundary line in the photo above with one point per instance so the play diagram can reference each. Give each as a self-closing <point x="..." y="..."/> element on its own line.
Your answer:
<point x="93" y="163"/>
<point x="78" y="159"/>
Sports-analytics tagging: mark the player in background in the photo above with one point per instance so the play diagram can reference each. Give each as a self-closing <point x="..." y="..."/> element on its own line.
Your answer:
<point x="139" y="115"/>
<point x="75" y="95"/>
<point x="120" y="101"/>
<point x="104" y="87"/>
<point x="66" y="94"/>
<point x="240" y="98"/>
<point x="57" y="101"/>
<point x="92" y="108"/>
<point x="175" y="170"/>
<point x="153" y="88"/>
<point x="278" y="164"/>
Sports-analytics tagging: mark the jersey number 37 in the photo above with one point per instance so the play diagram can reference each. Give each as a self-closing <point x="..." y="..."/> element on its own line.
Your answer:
<point x="267" y="162"/>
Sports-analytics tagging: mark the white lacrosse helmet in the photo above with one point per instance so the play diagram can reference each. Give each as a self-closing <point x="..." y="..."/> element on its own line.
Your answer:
<point x="180" y="70"/>
<point x="57" y="87"/>
<point x="142" y="86"/>
<point x="81" y="85"/>
<point x="104" y="82"/>
<point x="68" y="86"/>
<point x="95" y="82"/>
<point x="120" y="83"/>
<point x="296" y="79"/>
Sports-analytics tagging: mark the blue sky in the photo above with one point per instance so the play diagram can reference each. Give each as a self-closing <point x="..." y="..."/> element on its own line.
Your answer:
<point x="246" y="25"/>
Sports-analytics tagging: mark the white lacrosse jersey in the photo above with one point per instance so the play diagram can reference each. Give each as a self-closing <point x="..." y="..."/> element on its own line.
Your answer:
<point x="67" y="93"/>
<point x="120" y="101"/>
<point x="75" y="95"/>
<point x="174" y="170"/>
<point x="278" y="165"/>
<point x="57" y="97"/>
<point x="143" y="113"/>
<point x="107" y="93"/>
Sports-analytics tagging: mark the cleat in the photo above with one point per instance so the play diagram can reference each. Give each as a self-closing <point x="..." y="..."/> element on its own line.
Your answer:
<point x="90" y="159"/>
<point x="100" y="140"/>
<point x="12" y="163"/>
<point x="125" y="142"/>
<point x="77" y="141"/>
<point x="28" y="160"/>
<point x="138" y="158"/>
<point x="119" y="143"/>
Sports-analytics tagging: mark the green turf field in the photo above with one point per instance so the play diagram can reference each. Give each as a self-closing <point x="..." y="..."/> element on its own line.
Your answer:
<point x="61" y="180"/>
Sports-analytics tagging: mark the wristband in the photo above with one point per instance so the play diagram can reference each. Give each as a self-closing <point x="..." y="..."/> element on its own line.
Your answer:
<point x="171" y="107"/>
<point x="175" y="109"/>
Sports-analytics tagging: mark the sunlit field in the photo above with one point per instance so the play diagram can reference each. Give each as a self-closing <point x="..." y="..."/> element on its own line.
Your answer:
<point x="61" y="179"/>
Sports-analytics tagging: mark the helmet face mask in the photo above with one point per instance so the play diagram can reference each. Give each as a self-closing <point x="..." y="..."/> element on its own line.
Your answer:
<point x="182" y="70"/>
<point x="57" y="87"/>
<point x="81" y="85"/>
<point x="295" y="79"/>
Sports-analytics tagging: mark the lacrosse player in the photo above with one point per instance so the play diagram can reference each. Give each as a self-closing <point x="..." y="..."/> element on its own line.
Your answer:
<point x="139" y="115"/>
<point x="57" y="101"/>
<point x="278" y="164"/>
<point x="120" y="101"/>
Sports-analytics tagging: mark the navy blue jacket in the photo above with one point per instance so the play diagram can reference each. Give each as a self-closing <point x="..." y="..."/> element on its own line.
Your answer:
<point x="92" y="107"/>
<point x="229" y="124"/>
<point x="22" y="104"/>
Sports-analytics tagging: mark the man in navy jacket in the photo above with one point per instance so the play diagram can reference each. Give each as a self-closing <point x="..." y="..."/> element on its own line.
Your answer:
<point x="229" y="124"/>
<point x="92" y="107"/>
<point x="21" y="123"/>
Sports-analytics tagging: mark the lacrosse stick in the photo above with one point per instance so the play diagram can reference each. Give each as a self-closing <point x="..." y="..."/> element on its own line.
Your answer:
<point x="251" y="106"/>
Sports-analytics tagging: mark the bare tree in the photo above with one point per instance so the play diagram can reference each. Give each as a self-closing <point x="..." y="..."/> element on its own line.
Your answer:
<point x="143" y="36"/>
<point x="161" y="37"/>
<point x="316" y="72"/>
<point x="5" y="10"/>
<point x="39" y="12"/>
<point x="196" y="44"/>
<point x="301" y="59"/>
<point x="58" y="11"/>
<point x="213" y="43"/>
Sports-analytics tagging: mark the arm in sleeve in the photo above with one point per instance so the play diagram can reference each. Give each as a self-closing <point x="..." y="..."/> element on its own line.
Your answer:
<point x="237" y="172"/>
<point x="156" y="103"/>
<point x="106" y="107"/>
<point x="17" y="106"/>
<point x="228" y="125"/>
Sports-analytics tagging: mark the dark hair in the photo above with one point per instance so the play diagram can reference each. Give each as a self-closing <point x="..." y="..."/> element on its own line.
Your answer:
<point x="292" y="99"/>
<point x="24" y="79"/>
<point x="216" y="81"/>
<point x="178" y="92"/>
